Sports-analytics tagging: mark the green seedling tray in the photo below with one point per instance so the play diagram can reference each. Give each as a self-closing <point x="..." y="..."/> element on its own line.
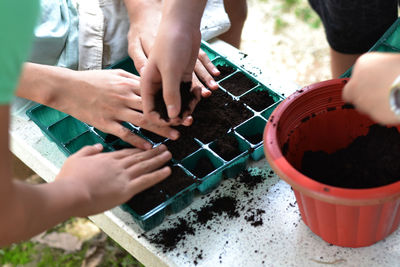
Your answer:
<point x="389" y="42"/>
<point x="70" y="135"/>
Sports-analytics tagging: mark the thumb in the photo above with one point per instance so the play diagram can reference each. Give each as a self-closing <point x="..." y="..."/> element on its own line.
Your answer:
<point x="90" y="150"/>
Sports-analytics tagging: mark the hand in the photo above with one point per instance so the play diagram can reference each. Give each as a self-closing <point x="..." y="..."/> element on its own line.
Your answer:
<point x="101" y="181"/>
<point x="145" y="18"/>
<point x="368" y="89"/>
<point x="104" y="98"/>
<point x="173" y="56"/>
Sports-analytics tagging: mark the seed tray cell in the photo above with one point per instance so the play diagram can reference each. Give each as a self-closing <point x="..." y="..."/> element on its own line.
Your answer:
<point x="252" y="131"/>
<point x="70" y="135"/>
<point x="202" y="160"/>
<point x="260" y="98"/>
<point x="226" y="68"/>
<point x="169" y="204"/>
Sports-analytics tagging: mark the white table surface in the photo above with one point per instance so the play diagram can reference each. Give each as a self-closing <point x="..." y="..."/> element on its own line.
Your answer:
<point x="283" y="239"/>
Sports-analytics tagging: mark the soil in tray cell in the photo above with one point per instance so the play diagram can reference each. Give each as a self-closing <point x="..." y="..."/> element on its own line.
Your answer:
<point x="258" y="100"/>
<point x="238" y="84"/>
<point x="203" y="167"/>
<point x="255" y="138"/>
<point x="152" y="136"/>
<point x="227" y="147"/>
<point x="224" y="71"/>
<point x="178" y="181"/>
<point x="215" y="115"/>
<point x="369" y="161"/>
<point x="186" y="97"/>
<point x="147" y="200"/>
<point x="182" y="147"/>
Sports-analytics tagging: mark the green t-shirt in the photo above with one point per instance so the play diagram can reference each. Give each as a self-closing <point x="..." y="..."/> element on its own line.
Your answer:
<point x="17" y="20"/>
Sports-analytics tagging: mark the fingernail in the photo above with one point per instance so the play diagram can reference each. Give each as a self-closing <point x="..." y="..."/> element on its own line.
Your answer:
<point x="213" y="83"/>
<point x="172" y="111"/>
<point x="162" y="147"/>
<point x="147" y="146"/>
<point x="215" y="70"/>
<point x="98" y="146"/>
<point x="174" y="135"/>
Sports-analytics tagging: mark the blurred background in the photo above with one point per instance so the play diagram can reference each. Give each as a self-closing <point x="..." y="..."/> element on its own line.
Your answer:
<point x="283" y="36"/>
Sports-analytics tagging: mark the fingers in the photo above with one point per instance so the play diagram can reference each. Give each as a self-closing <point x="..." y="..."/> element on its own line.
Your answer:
<point x="89" y="150"/>
<point x="203" y="72"/>
<point x="123" y="153"/>
<point x="148" y="180"/>
<point x="149" y="165"/>
<point x="126" y="74"/>
<point x="206" y="62"/>
<point x="171" y="94"/>
<point x="138" y="158"/>
<point x="136" y="52"/>
<point x="126" y="135"/>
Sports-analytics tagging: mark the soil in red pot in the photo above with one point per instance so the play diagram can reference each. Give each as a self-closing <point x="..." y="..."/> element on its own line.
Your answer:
<point x="258" y="100"/>
<point x="369" y="161"/>
<point x="224" y="71"/>
<point x="238" y="84"/>
<point x="182" y="147"/>
<point x="227" y="147"/>
<point x="186" y="97"/>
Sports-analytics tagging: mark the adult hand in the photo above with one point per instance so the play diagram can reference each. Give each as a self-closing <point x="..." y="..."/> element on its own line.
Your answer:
<point x="105" y="98"/>
<point x="101" y="181"/>
<point x="368" y="89"/>
<point x="145" y="17"/>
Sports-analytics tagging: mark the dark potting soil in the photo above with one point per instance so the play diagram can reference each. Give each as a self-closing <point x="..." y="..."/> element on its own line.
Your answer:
<point x="110" y="138"/>
<point x="258" y="100"/>
<point x="227" y="147"/>
<point x="203" y="167"/>
<point x="255" y="138"/>
<point x="176" y="182"/>
<point x="254" y="217"/>
<point x="369" y="161"/>
<point x="154" y="196"/>
<point x="228" y="207"/>
<point x="236" y="113"/>
<point x="248" y="180"/>
<point x="238" y="83"/>
<point x="186" y="97"/>
<point x="147" y="200"/>
<point x="152" y="136"/>
<point x="218" y="206"/>
<point x="182" y="147"/>
<point x="170" y="237"/>
<point x="224" y="71"/>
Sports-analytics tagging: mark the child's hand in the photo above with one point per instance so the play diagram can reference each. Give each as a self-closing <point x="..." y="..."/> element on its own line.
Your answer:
<point x="101" y="181"/>
<point x="104" y="98"/>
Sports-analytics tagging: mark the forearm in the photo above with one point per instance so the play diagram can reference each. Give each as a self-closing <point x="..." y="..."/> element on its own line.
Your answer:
<point x="186" y="12"/>
<point x="138" y="8"/>
<point x="31" y="209"/>
<point x="44" y="84"/>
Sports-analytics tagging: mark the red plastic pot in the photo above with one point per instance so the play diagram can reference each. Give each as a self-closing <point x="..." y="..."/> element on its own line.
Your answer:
<point x="316" y="118"/>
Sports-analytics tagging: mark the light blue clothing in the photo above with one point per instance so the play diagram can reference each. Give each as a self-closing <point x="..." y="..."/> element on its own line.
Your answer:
<point x="56" y="35"/>
<point x="16" y="20"/>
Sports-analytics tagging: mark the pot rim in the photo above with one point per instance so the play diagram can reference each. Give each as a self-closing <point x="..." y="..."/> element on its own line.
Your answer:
<point x="308" y="186"/>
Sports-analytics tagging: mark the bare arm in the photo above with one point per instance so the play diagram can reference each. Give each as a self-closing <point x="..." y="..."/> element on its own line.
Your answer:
<point x="83" y="187"/>
<point x="101" y="98"/>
